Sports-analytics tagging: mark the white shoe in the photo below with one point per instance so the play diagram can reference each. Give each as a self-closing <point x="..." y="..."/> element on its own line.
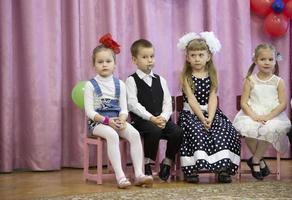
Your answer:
<point x="123" y="183"/>
<point x="144" y="180"/>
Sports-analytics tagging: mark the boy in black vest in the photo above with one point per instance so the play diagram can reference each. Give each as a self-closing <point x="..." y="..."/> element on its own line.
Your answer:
<point x="150" y="106"/>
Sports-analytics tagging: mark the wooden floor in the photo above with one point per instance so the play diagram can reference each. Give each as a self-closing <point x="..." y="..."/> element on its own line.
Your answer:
<point x="29" y="185"/>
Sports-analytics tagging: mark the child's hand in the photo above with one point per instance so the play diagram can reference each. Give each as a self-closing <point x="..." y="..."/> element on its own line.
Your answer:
<point x="114" y="123"/>
<point x="158" y="121"/>
<point x="206" y="124"/>
<point x="162" y="122"/>
<point x="121" y="123"/>
<point x="209" y="122"/>
<point x="259" y="118"/>
<point x="264" y="118"/>
<point x="154" y="120"/>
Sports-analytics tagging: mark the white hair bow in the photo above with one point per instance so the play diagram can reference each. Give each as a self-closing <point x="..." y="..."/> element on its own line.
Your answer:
<point x="211" y="40"/>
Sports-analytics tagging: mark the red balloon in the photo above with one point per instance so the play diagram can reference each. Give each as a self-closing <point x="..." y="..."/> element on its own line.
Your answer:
<point x="261" y="7"/>
<point x="288" y="9"/>
<point x="276" y="25"/>
<point x="285" y="1"/>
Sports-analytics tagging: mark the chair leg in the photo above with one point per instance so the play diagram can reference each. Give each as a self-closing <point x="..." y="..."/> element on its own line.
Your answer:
<point x="99" y="161"/>
<point x="238" y="174"/>
<point x="86" y="160"/>
<point x="278" y="165"/>
<point x="158" y="160"/>
<point x="178" y="171"/>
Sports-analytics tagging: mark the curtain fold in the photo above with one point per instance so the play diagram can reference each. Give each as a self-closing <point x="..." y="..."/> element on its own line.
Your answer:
<point x="6" y="88"/>
<point x="46" y="46"/>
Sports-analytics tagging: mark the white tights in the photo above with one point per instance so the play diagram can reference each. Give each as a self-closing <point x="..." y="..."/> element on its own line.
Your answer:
<point x="112" y="138"/>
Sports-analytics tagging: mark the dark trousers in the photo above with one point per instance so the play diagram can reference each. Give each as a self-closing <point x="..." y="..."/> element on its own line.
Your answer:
<point x="152" y="134"/>
<point x="290" y="136"/>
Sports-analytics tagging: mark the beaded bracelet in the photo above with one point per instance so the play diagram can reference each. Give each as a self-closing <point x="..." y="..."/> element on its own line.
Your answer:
<point x="106" y="120"/>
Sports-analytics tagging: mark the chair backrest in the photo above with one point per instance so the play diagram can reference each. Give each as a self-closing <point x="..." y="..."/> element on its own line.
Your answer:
<point x="173" y="102"/>
<point x="179" y="103"/>
<point x="238" y="99"/>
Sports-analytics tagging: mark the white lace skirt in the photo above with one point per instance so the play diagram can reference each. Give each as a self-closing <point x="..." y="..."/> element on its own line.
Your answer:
<point x="274" y="131"/>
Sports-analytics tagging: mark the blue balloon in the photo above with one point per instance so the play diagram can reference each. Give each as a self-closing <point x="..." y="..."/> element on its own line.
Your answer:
<point x="278" y="6"/>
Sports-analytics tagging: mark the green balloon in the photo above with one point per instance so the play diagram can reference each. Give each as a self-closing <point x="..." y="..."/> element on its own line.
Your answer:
<point x="77" y="94"/>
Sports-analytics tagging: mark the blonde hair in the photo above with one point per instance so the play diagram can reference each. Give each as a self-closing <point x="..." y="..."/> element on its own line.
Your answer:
<point x="256" y="55"/>
<point x="98" y="49"/>
<point x="199" y="45"/>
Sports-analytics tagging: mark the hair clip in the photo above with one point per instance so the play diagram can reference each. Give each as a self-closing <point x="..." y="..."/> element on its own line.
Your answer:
<point x="108" y="41"/>
<point x="211" y="40"/>
<point x="279" y="57"/>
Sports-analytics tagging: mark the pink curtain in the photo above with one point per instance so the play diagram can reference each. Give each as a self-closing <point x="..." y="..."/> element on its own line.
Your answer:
<point x="45" y="49"/>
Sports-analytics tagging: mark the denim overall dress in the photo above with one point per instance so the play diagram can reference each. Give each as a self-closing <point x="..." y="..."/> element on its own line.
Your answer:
<point x="107" y="107"/>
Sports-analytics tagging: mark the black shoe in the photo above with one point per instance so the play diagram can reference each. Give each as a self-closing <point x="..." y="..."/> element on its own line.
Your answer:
<point x="224" y="177"/>
<point x="148" y="170"/>
<point x="255" y="174"/>
<point x="193" y="178"/>
<point x="164" y="172"/>
<point x="265" y="171"/>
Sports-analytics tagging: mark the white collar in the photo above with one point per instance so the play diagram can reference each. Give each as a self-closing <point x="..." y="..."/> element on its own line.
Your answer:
<point x="104" y="79"/>
<point x="142" y="75"/>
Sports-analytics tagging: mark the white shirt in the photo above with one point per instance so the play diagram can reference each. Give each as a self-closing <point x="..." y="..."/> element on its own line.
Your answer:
<point x="133" y="104"/>
<point x="107" y="87"/>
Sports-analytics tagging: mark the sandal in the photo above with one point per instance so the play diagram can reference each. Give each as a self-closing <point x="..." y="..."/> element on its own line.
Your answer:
<point x="256" y="174"/>
<point x="265" y="171"/>
<point x="123" y="183"/>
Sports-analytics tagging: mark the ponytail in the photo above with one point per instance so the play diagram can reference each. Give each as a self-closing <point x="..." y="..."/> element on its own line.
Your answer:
<point x="250" y="70"/>
<point x="276" y="72"/>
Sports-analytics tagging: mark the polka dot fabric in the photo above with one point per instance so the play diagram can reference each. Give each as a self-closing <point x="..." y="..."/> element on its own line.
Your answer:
<point x="217" y="149"/>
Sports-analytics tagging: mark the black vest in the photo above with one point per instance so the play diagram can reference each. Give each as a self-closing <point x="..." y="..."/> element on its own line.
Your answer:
<point x="149" y="97"/>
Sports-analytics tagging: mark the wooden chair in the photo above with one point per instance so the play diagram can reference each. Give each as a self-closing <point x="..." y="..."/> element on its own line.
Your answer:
<point x="100" y="173"/>
<point x="276" y="172"/>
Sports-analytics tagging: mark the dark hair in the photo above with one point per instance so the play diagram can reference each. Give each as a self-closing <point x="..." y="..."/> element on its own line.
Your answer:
<point x="140" y="43"/>
<point x="256" y="55"/>
<point x="199" y="45"/>
<point x="100" y="48"/>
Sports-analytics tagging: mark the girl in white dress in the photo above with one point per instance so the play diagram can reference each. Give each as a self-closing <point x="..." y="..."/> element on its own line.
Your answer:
<point x="262" y="120"/>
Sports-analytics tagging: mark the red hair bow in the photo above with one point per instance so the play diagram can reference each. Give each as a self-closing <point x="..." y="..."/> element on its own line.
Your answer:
<point x="108" y="41"/>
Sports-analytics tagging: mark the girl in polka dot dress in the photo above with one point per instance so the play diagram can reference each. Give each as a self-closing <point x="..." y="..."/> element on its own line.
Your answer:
<point x="210" y="142"/>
